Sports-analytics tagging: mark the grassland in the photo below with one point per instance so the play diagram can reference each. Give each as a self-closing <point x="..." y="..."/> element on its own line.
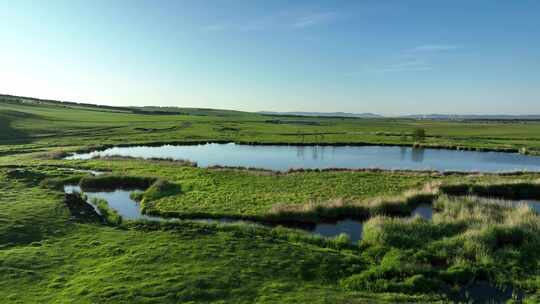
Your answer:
<point x="47" y="255"/>
<point x="52" y="125"/>
<point x="50" y="254"/>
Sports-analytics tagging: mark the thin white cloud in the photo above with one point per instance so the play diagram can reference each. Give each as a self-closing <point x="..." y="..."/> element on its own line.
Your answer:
<point x="314" y="19"/>
<point x="410" y="65"/>
<point x="417" y="59"/>
<point x="435" y="48"/>
<point x="282" y="20"/>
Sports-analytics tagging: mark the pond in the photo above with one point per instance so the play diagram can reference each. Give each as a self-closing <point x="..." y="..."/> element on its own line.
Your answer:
<point x="484" y="292"/>
<point x="282" y="157"/>
<point x="118" y="199"/>
<point x="129" y="209"/>
<point x="533" y="204"/>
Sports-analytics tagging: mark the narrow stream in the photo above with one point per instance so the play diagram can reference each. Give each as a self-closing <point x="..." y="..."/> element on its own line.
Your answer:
<point x="129" y="209"/>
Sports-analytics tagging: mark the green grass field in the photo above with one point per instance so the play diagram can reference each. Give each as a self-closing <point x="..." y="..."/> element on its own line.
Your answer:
<point x="47" y="254"/>
<point x="48" y="125"/>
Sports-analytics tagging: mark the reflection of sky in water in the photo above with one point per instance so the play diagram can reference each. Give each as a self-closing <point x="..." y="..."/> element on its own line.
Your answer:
<point x="350" y="227"/>
<point x="534" y="204"/>
<point x="485" y="292"/>
<point x="312" y="157"/>
<point x="119" y="200"/>
<point x="424" y="211"/>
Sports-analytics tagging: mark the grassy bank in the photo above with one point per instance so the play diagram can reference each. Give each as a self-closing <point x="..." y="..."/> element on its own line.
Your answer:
<point x="397" y="260"/>
<point x="72" y="261"/>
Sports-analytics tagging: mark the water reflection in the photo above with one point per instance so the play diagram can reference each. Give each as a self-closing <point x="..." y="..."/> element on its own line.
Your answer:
<point x="352" y="228"/>
<point x="417" y="155"/>
<point x="534" y="204"/>
<point x="424" y="211"/>
<point x="300" y="152"/>
<point x="402" y="153"/>
<point x="484" y="292"/>
<point x="315" y="157"/>
<point x="118" y="199"/>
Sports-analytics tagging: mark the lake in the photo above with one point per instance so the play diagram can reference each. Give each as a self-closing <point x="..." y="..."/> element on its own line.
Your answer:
<point x="282" y="158"/>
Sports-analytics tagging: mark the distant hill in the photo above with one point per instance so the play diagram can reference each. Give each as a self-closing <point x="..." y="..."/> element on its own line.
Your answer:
<point x="169" y="110"/>
<point x="323" y="114"/>
<point x="471" y="117"/>
<point x="146" y="110"/>
<point x="187" y="111"/>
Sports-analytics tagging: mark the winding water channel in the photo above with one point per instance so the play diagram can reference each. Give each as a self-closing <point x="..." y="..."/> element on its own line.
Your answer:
<point x="281" y="157"/>
<point x="129" y="209"/>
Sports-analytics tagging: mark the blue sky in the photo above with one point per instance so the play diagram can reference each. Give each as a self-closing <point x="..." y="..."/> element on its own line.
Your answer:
<point x="388" y="57"/>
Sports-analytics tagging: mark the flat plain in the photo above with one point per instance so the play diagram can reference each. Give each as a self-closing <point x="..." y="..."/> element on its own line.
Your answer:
<point x="50" y="254"/>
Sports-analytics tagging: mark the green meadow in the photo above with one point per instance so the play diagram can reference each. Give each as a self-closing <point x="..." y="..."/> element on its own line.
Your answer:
<point x="51" y="254"/>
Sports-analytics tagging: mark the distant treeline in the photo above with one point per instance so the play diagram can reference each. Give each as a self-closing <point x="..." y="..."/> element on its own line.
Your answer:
<point x="23" y="99"/>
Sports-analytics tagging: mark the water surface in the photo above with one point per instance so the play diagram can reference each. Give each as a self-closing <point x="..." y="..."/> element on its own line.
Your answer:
<point x="485" y="292"/>
<point x="118" y="199"/>
<point x="352" y="228"/>
<point x="320" y="157"/>
<point x="424" y="211"/>
<point x="533" y="204"/>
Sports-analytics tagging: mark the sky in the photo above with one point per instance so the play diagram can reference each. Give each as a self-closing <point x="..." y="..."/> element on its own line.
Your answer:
<point x="386" y="57"/>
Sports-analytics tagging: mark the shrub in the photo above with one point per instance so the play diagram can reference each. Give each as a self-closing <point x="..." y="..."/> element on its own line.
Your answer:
<point x="419" y="134"/>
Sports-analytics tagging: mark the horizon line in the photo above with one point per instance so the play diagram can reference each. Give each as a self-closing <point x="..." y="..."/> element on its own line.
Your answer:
<point x="269" y="112"/>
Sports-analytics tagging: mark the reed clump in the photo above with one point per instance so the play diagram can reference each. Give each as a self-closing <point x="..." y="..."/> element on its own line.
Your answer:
<point x="339" y="208"/>
<point x="112" y="182"/>
<point x="511" y="190"/>
<point x="108" y="214"/>
<point x="468" y="240"/>
<point x="180" y="162"/>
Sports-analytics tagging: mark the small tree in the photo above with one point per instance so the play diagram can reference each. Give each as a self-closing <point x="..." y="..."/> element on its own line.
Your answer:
<point x="419" y="134"/>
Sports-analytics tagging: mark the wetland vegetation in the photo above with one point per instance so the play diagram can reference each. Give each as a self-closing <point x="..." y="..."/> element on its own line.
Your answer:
<point x="54" y="247"/>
